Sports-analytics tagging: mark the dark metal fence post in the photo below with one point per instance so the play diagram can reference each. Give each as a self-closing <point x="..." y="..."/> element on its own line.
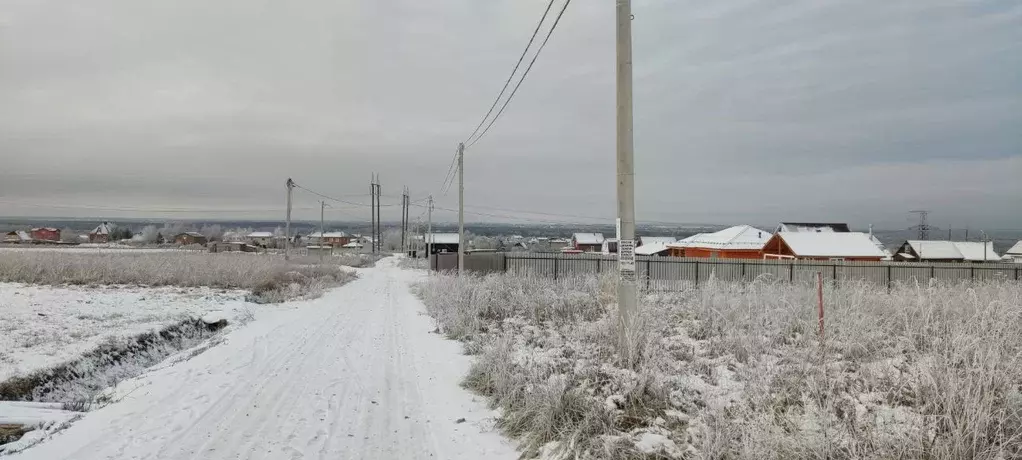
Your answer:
<point x="697" y="273"/>
<point x="555" y="267"/>
<point x="598" y="264"/>
<point x="505" y="263"/>
<point x="933" y="271"/>
<point x="888" y="279"/>
<point x="972" y="273"/>
<point x="1016" y="273"/>
<point x="743" y="270"/>
<point x="791" y="272"/>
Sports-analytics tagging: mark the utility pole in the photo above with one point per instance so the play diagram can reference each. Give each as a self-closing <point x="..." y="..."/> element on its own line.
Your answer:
<point x="461" y="209"/>
<point x="404" y="217"/>
<point x="372" y="213"/>
<point x="287" y="226"/>
<point x="428" y="238"/>
<point x="379" y="224"/>
<point x="984" y="240"/>
<point x="626" y="289"/>
<point x="322" y="206"/>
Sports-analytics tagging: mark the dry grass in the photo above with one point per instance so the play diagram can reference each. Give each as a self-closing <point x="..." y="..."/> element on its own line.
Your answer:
<point x="270" y="278"/>
<point x="737" y="371"/>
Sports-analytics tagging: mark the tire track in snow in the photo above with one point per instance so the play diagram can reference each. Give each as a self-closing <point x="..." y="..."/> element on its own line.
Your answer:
<point x="300" y="384"/>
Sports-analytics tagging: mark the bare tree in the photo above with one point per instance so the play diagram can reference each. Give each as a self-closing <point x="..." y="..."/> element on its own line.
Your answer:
<point x="68" y="236"/>
<point x="212" y="232"/>
<point x="149" y="234"/>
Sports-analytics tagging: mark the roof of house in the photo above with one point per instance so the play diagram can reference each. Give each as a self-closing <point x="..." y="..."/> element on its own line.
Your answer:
<point x="101" y="229"/>
<point x="831" y="244"/>
<point x="328" y="235"/>
<point x="880" y="246"/>
<point x="588" y="238"/>
<point x="443" y="238"/>
<point x="20" y="234"/>
<point x="1015" y="250"/>
<point x="738" y="237"/>
<point x="935" y="250"/>
<point x="649" y="249"/>
<point x="49" y="229"/>
<point x="353" y="244"/>
<point x="657" y="239"/>
<point x="977" y="251"/>
<point x="260" y="235"/>
<point x="195" y="234"/>
<point x="815" y="227"/>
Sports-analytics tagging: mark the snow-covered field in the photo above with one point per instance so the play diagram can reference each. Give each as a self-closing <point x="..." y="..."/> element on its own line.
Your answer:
<point x="738" y="371"/>
<point x="41" y="326"/>
<point x="356" y="373"/>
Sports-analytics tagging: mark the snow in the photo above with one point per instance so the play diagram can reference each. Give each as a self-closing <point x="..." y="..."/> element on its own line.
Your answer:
<point x="1015" y="250"/>
<point x="43" y="326"/>
<point x="588" y="238"/>
<point x="831" y="244"/>
<point x="353" y="374"/>
<point x="658" y="240"/>
<point x="737" y="238"/>
<point x="214" y="317"/>
<point x="649" y="249"/>
<point x="650" y="443"/>
<point x="977" y="251"/>
<point x="32" y="413"/>
<point x="260" y="235"/>
<point x="929" y="250"/>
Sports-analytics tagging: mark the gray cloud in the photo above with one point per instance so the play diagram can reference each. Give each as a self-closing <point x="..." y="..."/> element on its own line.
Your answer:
<point x="746" y="110"/>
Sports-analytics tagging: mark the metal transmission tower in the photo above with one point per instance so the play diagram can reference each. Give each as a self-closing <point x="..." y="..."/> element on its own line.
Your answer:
<point x="923" y="227"/>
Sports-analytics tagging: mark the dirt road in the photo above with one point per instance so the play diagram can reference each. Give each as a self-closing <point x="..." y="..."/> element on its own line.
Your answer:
<point x="354" y="374"/>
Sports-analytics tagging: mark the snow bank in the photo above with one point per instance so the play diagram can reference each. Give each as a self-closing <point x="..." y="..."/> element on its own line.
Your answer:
<point x="41" y="326"/>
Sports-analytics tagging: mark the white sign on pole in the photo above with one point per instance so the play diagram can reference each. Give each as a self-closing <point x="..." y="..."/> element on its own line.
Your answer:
<point x="619" y="229"/>
<point x="626" y="259"/>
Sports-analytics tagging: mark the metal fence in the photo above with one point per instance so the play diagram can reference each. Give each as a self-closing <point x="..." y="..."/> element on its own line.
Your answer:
<point x="674" y="273"/>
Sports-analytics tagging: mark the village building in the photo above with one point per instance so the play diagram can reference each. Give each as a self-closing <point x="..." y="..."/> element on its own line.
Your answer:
<point x="738" y="242"/>
<point x="189" y="238"/>
<point x="18" y="237"/>
<point x="644" y="240"/>
<point x="100" y="234"/>
<point x="653" y="249"/>
<point x="587" y="242"/>
<point x="335" y="239"/>
<point x="442" y="242"/>
<point x="609" y="246"/>
<point x="1014" y="254"/>
<point x="812" y="227"/>
<point x="45" y="234"/>
<point x="824" y="245"/>
<point x="946" y="251"/>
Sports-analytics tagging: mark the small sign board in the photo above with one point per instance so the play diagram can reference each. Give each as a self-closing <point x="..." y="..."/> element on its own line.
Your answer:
<point x="626" y="259"/>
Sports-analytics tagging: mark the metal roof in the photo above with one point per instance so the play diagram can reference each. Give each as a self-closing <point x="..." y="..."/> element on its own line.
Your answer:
<point x="443" y="238"/>
<point x="831" y="244"/>
<point x="739" y="237"/>
<point x="588" y="238"/>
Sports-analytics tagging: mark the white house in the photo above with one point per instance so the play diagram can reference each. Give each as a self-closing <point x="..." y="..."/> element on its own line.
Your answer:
<point x="259" y="238"/>
<point x="587" y="242"/>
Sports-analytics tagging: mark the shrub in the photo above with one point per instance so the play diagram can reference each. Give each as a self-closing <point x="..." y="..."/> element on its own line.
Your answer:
<point x="738" y="371"/>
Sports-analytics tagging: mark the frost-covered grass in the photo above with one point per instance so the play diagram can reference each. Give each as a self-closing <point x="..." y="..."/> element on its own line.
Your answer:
<point x="345" y="260"/>
<point x="738" y="371"/>
<point x="270" y="278"/>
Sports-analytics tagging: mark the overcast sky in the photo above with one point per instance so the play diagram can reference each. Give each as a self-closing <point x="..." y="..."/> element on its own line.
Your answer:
<point x="746" y="111"/>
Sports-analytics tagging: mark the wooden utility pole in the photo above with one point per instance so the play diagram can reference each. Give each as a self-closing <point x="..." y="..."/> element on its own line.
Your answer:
<point x="626" y="289"/>
<point x="379" y="225"/>
<point x="461" y="209"/>
<point x="287" y="226"/>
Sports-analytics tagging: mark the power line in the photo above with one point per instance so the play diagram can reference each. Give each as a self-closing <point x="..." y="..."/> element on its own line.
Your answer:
<point x="525" y="74"/>
<point x="513" y="71"/>
<point x="337" y="199"/>
<point x="134" y="209"/>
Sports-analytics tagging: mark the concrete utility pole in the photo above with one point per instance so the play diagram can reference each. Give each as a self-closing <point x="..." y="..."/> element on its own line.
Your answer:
<point x="372" y="213"/>
<point x="428" y="238"/>
<point x="404" y="218"/>
<point x="461" y="209"/>
<point x="287" y="226"/>
<point x="379" y="224"/>
<point x="626" y="289"/>
<point x="322" y="207"/>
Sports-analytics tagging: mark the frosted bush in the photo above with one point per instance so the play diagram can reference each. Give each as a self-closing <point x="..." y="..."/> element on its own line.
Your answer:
<point x="739" y="371"/>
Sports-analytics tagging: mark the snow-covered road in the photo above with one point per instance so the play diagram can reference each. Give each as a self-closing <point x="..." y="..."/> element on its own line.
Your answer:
<point x="354" y="374"/>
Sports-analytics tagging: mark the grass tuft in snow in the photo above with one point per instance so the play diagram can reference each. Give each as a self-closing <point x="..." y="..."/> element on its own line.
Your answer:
<point x="737" y="371"/>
